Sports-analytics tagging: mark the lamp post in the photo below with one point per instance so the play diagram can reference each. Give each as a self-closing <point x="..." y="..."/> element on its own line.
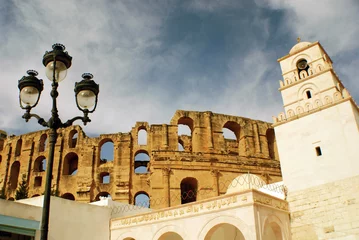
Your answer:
<point x="56" y="61"/>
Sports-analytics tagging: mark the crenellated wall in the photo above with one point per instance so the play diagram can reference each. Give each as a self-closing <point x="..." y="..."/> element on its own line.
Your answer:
<point x="207" y="157"/>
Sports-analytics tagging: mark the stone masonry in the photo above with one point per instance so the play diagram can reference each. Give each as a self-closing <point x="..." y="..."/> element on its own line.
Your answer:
<point x="206" y="158"/>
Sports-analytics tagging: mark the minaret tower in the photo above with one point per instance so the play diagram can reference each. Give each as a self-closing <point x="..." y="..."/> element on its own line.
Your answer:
<point x="318" y="143"/>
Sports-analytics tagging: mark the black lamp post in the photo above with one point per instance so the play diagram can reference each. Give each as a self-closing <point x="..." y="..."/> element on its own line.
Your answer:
<point x="56" y="62"/>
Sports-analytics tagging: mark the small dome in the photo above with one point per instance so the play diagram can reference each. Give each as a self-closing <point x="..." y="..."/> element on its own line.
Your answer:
<point x="299" y="46"/>
<point x="245" y="182"/>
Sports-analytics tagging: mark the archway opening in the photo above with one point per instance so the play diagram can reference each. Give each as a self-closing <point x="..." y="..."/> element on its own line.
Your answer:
<point x="170" y="236"/>
<point x="70" y="164"/>
<point x="18" y="147"/>
<point x="40" y="164"/>
<point x="105" y="177"/>
<point x="189" y="188"/>
<point x="102" y="194"/>
<point x="14" y="175"/>
<point x="43" y="142"/>
<point x="107" y="151"/>
<point x="73" y="138"/>
<point x="185" y="126"/>
<point x="142" y="160"/>
<point x="142" y="199"/>
<point x="272" y="231"/>
<point x="68" y="196"/>
<point x="142" y="137"/>
<point x="224" y="231"/>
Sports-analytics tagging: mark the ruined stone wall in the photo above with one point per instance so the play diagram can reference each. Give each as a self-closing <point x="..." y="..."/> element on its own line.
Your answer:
<point x="207" y="160"/>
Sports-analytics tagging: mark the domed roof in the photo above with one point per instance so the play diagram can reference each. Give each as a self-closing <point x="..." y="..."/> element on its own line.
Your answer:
<point x="299" y="46"/>
<point x="245" y="182"/>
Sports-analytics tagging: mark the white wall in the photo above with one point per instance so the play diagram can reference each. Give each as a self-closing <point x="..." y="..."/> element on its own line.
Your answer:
<point x="333" y="129"/>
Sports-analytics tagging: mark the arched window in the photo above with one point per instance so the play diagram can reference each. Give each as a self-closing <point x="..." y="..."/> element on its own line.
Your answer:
<point x="43" y="143"/>
<point x="142" y="199"/>
<point x="170" y="235"/>
<point x="14" y="175"/>
<point x="185" y="126"/>
<point x="225" y="231"/>
<point x="68" y="196"/>
<point x="105" y="177"/>
<point x="141" y="162"/>
<point x="38" y="181"/>
<point x="302" y="65"/>
<point x="40" y="164"/>
<point x="73" y="138"/>
<point x="18" y="147"/>
<point x="272" y="145"/>
<point x="142" y="137"/>
<point x="102" y="194"/>
<point x="189" y="188"/>
<point x="231" y="134"/>
<point x="107" y="151"/>
<point x="70" y="164"/>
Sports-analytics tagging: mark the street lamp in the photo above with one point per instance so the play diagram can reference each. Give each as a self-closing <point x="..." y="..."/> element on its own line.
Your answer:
<point x="56" y="61"/>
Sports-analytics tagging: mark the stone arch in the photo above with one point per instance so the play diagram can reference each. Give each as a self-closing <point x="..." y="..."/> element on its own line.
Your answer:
<point x="142" y="136"/>
<point x="281" y="117"/>
<point x="327" y="100"/>
<point x="337" y="96"/>
<point x="73" y="137"/>
<point x="300" y="57"/>
<point x="187" y="121"/>
<point x="129" y="238"/>
<point x="141" y="161"/>
<point x="70" y="165"/>
<point x="240" y="147"/>
<point x="18" y="147"/>
<point x="107" y="150"/>
<point x="142" y="199"/>
<point x="129" y="235"/>
<point x="105" y="177"/>
<point x="272" y="144"/>
<point x="273" y="228"/>
<point x="319" y="68"/>
<point x="189" y="188"/>
<point x="170" y="228"/>
<point x="224" y="231"/>
<point x="68" y="196"/>
<point x="170" y="235"/>
<point x="102" y="194"/>
<point x="308" y="107"/>
<point x="287" y="81"/>
<point x="236" y="222"/>
<point x="299" y="110"/>
<point x="303" y="74"/>
<point x="40" y="164"/>
<point x="302" y="91"/>
<point x="14" y="175"/>
<point x="43" y="142"/>
<point x="290" y="113"/>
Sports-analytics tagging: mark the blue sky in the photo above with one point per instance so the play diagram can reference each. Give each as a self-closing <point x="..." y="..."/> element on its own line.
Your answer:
<point x="154" y="57"/>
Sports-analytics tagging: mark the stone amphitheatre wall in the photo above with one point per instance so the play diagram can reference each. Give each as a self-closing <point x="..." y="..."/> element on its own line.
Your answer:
<point x="205" y="160"/>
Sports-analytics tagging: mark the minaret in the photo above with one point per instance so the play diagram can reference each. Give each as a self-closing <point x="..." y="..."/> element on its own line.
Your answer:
<point x="318" y="142"/>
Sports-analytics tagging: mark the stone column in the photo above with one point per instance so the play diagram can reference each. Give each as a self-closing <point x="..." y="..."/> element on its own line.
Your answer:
<point x="166" y="186"/>
<point x="165" y="135"/>
<point x="256" y="138"/>
<point x="215" y="175"/>
<point x="209" y="127"/>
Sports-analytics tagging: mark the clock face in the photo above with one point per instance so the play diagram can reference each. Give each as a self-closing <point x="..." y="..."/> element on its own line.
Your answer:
<point x="302" y="64"/>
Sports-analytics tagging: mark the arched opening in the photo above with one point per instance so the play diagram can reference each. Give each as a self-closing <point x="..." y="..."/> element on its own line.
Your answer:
<point x="73" y="138"/>
<point x="142" y="137"/>
<point x="129" y="238"/>
<point x="14" y="175"/>
<point x="70" y="164"/>
<point x="272" y="231"/>
<point x="180" y="145"/>
<point x="43" y="142"/>
<point x="170" y="236"/>
<point x="102" y="194"/>
<point x="105" y="177"/>
<point x="11" y="199"/>
<point x="68" y="196"/>
<point x="231" y="134"/>
<point x="189" y="188"/>
<point x="107" y="151"/>
<point x="224" y="231"/>
<point x="302" y="66"/>
<point x="40" y="164"/>
<point x="185" y="126"/>
<point x="141" y="162"/>
<point x="142" y="199"/>
<point x="18" y="147"/>
<point x="36" y="195"/>
<point x="272" y="144"/>
<point x="38" y="181"/>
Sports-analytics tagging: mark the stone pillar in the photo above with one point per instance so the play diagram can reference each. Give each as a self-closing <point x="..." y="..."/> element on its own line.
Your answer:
<point x="165" y="135"/>
<point x="166" y="186"/>
<point x="256" y="138"/>
<point x="215" y="175"/>
<point x="208" y="119"/>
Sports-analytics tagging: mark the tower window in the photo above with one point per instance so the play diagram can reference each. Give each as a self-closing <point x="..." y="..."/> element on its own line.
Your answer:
<point x="309" y="94"/>
<point x="302" y="65"/>
<point x="318" y="150"/>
